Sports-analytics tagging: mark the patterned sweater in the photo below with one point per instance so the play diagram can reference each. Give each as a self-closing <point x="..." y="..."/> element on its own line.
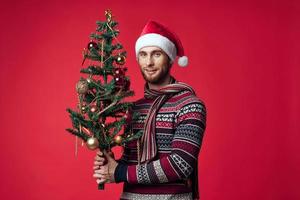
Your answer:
<point x="180" y="125"/>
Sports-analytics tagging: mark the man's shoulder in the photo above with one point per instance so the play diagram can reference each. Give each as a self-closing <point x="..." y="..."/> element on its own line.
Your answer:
<point x="187" y="94"/>
<point x="186" y="98"/>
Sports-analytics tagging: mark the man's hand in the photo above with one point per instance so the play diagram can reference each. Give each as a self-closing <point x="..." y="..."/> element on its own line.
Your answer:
<point x="104" y="167"/>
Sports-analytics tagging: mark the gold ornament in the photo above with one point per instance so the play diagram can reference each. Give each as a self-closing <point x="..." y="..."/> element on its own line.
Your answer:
<point x="82" y="87"/>
<point x="121" y="60"/>
<point x="83" y="109"/>
<point x="92" y="143"/>
<point x="89" y="80"/>
<point x="118" y="139"/>
<point x="108" y="15"/>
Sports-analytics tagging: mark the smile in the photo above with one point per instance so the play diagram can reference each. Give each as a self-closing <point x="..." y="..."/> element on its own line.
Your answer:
<point x="150" y="71"/>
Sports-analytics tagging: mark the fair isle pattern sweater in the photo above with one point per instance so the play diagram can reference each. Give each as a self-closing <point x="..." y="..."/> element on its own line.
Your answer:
<point x="180" y="125"/>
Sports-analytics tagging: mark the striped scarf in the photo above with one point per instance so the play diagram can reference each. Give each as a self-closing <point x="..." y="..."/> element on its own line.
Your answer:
<point x="148" y="141"/>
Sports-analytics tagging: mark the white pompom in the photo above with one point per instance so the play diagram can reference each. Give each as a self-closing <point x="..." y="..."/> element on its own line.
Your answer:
<point x="183" y="61"/>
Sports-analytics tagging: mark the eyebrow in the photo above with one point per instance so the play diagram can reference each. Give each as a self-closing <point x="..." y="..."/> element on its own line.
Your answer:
<point x="152" y="52"/>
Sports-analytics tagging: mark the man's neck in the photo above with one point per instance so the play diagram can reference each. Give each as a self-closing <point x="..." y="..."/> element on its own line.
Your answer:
<point x="157" y="86"/>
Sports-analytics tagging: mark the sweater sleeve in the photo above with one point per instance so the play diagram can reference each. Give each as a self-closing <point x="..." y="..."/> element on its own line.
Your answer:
<point x="185" y="147"/>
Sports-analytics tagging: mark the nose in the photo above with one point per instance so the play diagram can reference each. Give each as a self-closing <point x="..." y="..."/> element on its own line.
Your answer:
<point x="149" y="61"/>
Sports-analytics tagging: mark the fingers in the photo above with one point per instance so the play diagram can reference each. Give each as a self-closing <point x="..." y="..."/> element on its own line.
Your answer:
<point x="100" y="153"/>
<point x="101" y="168"/>
<point x="96" y="167"/>
<point x="98" y="164"/>
<point x="98" y="161"/>
<point x="101" y="171"/>
<point x="101" y="175"/>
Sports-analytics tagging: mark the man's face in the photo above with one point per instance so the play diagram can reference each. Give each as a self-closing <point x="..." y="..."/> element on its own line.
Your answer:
<point x="154" y="64"/>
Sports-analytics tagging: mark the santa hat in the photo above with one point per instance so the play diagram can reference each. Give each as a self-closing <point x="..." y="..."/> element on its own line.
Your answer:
<point x="155" y="34"/>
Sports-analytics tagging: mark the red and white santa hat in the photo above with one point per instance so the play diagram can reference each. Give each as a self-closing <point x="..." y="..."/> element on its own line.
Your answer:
<point x="155" y="34"/>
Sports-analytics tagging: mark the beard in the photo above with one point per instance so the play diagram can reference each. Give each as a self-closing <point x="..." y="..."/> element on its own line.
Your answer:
<point x="159" y="78"/>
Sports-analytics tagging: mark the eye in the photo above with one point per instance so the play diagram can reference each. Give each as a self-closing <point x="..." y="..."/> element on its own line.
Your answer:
<point x="142" y="54"/>
<point x="157" y="54"/>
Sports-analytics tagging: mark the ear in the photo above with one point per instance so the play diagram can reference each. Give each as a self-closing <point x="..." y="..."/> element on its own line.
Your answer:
<point x="170" y="63"/>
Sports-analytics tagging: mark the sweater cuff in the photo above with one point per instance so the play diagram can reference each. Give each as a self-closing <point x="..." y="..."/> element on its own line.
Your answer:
<point x="121" y="173"/>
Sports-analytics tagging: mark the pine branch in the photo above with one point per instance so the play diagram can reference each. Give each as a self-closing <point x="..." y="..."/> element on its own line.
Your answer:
<point x="97" y="85"/>
<point x="96" y="70"/>
<point x="93" y="57"/>
<point x="112" y="124"/>
<point x="96" y="36"/>
<point x="113" y="24"/>
<point x="83" y="136"/>
<point x="94" y="53"/>
<point x="120" y="107"/>
<point x="133" y="137"/>
<point x="89" y="97"/>
<point x="101" y="26"/>
<point x="117" y="46"/>
<point x="77" y="119"/>
<point x="117" y="127"/>
<point x="126" y="94"/>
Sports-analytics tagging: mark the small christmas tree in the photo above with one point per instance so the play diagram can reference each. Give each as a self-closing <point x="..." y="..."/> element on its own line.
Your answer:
<point x="102" y="112"/>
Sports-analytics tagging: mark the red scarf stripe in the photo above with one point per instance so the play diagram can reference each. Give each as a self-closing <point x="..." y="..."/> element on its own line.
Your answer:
<point x="149" y="148"/>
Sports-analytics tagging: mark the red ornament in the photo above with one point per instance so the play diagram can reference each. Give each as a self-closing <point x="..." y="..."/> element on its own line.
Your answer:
<point x="127" y="84"/>
<point x="93" y="108"/>
<point x="120" y="81"/>
<point x="121" y="59"/>
<point x="119" y="71"/>
<point x="92" y="45"/>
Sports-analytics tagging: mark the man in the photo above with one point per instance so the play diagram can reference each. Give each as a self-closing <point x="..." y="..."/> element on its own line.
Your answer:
<point x="162" y="164"/>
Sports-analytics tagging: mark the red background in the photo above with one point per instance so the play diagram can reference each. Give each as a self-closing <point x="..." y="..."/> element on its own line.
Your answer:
<point x="244" y="64"/>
